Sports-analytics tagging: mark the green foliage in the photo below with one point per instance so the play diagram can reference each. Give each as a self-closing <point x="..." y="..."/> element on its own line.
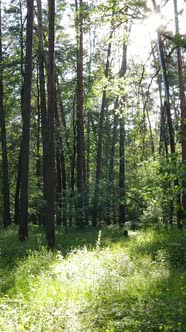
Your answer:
<point x="116" y="285"/>
<point x="180" y="40"/>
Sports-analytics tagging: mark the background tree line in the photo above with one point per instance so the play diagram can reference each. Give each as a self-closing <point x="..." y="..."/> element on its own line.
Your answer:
<point x="90" y="134"/>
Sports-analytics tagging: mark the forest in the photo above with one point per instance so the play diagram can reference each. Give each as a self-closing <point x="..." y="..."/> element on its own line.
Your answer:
<point x="93" y="165"/>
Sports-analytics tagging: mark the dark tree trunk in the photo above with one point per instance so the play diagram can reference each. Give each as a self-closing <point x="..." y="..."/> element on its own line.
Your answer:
<point x="64" y="188"/>
<point x="80" y="122"/>
<point x="122" y="203"/>
<point x="87" y="196"/>
<point x="26" y="106"/>
<point x="183" y="109"/>
<point x="100" y="134"/>
<point x="168" y="113"/>
<point x="113" y="143"/>
<point x="18" y="180"/>
<point x="50" y="176"/>
<point x="72" y="167"/>
<point x="43" y="103"/>
<point x="61" y="172"/>
<point x="17" y="193"/>
<point x="59" y="219"/>
<point x="6" y="196"/>
<point x="122" y="200"/>
<point x="112" y="188"/>
<point x="38" y="215"/>
<point x="163" y="144"/>
<point x="63" y="140"/>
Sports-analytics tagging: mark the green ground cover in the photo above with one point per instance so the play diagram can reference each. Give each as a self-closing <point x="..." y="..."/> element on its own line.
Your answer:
<point x="94" y="281"/>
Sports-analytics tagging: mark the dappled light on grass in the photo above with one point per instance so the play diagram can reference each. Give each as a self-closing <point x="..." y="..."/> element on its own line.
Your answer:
<point x="116" y="285"/>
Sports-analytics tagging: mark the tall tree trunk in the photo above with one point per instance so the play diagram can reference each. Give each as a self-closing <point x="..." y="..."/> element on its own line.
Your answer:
<point x="63" y="140"/>
<point x="61" y="172"/>
<point x="122" y="200"/>
<point x="80" y="122"/>
<point x="72" y="166"/>
<point x="182" y="107"/>
<point x="38" y="215"/>
<point x="168" y="112"/>
<point x="100" y="133"/>
<point x="50" y="176"/>
<point x="59" y="219"/>
<point x="26" y="106"/>
<point x="18" y="180"/>
<point x="112" y="188"/>
<point x="113" y="143"/>
<point x="163" y="144"/>
<point x="43" y="103"/>
<point x="6" y="196"/>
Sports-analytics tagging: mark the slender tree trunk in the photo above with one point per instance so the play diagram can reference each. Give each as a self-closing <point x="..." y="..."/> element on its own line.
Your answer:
<point x="122" y="200"/>
<point x="37" y="216"/>
<point x="167" y="94"/>
<point x="50" y="176"/>
<point x="43" y="103"/>
<point x="145" y="109"/>
<point x="72" y="164"/>
<point x="80" y="121"/>
<point x="61" y="172"/>
<point x="168" y="112"/>
<point x="88" y="167"/>
<point x="163" y="144"/>
<point x="59" y="146"/>
<point x="26" y="107"/>
<point x="6" y="196"/>
<point x="100" y="134"/>
<point x="17" y="193"/>
<point x="64" y="188"/>
<point x="182" y="107"/>
<point x="113" y="144"/>
<point x="112" y="187"/>
<point x="18" y="181"/>
<point x="59" y="219"/>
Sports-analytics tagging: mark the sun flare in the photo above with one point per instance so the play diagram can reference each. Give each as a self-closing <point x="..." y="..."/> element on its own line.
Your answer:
<point x="153" y="22"/>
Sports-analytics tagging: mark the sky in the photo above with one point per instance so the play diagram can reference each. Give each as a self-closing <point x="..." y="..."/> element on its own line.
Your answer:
<point x="142" y="33"/>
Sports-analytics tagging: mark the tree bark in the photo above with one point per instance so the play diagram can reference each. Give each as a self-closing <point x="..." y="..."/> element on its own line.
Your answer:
<point x="61" y="172"/>
<point x="100" y="133"/>
<point x="122" y="200"/>
<point x="43" y="104"/>
<point x="81" y="177"/>
<point x="168" y="113"/>
<point x="50" y="164"/>
<point x="182" y="107"/>
<point x="6" y="195"/>
<point x="26" y="108"/>
<point x="18" y="180"/>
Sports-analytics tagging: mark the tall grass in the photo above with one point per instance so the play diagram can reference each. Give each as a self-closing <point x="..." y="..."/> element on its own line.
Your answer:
<point x="94" y="281"/>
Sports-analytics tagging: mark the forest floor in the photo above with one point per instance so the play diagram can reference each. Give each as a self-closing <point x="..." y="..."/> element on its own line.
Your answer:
<point x="95" y="281"/>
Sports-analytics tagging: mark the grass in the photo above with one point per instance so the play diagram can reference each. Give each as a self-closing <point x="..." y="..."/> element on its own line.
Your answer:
<point x="96" y="281"/>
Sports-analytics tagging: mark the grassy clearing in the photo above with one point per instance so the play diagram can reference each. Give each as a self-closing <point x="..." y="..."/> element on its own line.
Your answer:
<point x="94" y="281"/>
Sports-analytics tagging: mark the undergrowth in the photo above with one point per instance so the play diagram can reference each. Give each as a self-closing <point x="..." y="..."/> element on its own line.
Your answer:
<point x="95" y="281"/>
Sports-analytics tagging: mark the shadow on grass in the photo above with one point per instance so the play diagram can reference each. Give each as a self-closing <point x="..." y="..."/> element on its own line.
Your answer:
<point x="161" y="307"/>
<point x="163" y="245"/>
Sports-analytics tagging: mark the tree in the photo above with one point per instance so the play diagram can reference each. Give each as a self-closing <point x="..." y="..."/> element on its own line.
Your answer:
<point x="42" y="80"/>
<point x="100" y="129"/>
<point x="182" y="106"/>
<point x="6" y="198"/>
<point x="81" y="176"/>
<point x="122" y="202"/>
<point x="50" y="160"/>
<point x="26" y="108"/>
<point x="167" y="106"/>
